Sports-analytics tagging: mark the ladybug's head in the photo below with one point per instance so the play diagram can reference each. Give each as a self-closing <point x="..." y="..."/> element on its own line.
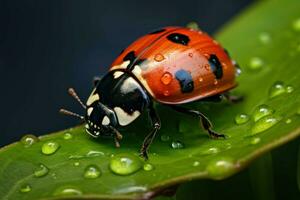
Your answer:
<point x="100" y="120"/>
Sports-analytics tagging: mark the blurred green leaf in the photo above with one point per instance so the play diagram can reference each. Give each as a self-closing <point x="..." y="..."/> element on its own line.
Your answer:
<point x="264" y="40"/>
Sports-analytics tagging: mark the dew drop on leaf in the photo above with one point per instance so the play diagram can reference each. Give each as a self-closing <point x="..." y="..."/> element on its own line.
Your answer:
<point x="125" y="164"/>
<point x="28" y="140"/>
<point x="68" y="136"/>
<point x="25" y="188"/>
<point x="220" y="167"/>
<point x="91" y="172"/>
<point x="262" y="111"/>
<point x="256" y="63"/>
<point x="255" y="140"/>
<point x="177" y="145"/>
<point x="148" y="167"/>
<point x="50" y="147"/>
<point x="42" y="170"/>
<point x="241" y="118"/>
<point x="296" y="25"/>
<point x="212" y="150"/>
<point x="277" y="89"/>
<point x="289" y="89"/>
<point x="67" y="190"/>
<point x="76" y="164"/>
<point x="288" y="121"/>
<point x="264" y="124"/>
<point x="196" y="163"/>
<point x="264" y="38"/>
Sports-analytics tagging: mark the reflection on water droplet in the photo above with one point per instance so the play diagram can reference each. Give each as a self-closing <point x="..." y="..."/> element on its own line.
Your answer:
<point x="256" y="63"/>
<point x="125" y="164"/>
<point x="264" y="38"/>
<point x="264" y="124"/>
<point x="196" y="163"/>
<point x="76" y="164"/>
<point x="255" y="140"/>
<point x="289" y="89"/>
<point x="211" y="150"/>
<point x="28" y="140"/>
<point x="288" y="121"/>
<point x="67" y="190"/>
<point x="201" y="79"/>
<point x="177" y="145"/>
<point x="220" y="168"/>
<point x="166" y="78"/>
<point x="68" y="136"/>
<point x="164" y="138"/>
<point x="262" y="111"/>
<point x="92" y="171"/>
<point x="94" y="153"/>
<point x="42" y="170"/>
<point x="25" y="188"/>
<point x="148" y="167"/>
<point x="277" y="89"/>
<point x="296" y="24"/>
<point x="50" y="147"/>
<point x="159" y="57"/>
<point x="241" y="118"/>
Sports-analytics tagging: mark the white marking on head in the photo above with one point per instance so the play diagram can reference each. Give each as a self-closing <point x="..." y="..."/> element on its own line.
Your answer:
<point x="122" y="66"/>
<point x="93" y="97"/>
<point x="125" y="118"/>
<point x="105" y="120"/>
<point x="129" y="85"/>
<point x="89" y="111"/>
<point x="87" y="126"/>
<point x="137" y="71"/>
<point x="117" y="74"/>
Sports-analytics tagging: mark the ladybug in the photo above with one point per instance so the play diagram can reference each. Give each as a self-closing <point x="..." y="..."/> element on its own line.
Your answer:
<point x="171" y="66"/>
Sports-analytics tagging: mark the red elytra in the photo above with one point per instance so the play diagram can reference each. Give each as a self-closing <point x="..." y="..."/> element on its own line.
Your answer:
<point x="178" y="65"/>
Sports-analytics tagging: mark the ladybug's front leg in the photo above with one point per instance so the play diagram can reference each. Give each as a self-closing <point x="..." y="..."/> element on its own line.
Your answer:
<point x="150" y="137"/>
<point x="206" y="124"/>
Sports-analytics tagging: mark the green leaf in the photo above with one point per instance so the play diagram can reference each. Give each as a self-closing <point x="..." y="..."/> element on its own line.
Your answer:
<point x="264" y="40"/>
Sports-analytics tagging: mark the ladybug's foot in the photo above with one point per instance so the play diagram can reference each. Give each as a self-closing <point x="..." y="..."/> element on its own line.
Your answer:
<point x="233" y="98"/>
<point x="117" y="136"/>
<point x="144" y="153"/>
<point x="150" y="137"/>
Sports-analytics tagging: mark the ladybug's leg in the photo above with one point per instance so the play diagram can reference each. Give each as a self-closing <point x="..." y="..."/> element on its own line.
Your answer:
<point x="149" y="138"/>
<point x="232" y="98"/>
<point x="117" y="136"/>
<point x="96" y="80"/>
<point x="206" y="124"/>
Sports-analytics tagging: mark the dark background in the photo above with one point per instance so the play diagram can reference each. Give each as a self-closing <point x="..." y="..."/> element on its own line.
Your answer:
<point x="48" y="46"/>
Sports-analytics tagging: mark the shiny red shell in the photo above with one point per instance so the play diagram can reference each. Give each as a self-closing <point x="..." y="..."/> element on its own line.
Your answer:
<point x="178" y="65"/>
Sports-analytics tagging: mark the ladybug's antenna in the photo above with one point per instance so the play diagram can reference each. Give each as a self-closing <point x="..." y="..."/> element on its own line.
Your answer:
<point x="67" y="112"/>
<point x="73" y="94"/>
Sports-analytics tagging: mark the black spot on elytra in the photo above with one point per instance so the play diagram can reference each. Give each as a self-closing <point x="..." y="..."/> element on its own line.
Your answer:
<point x="157" y="31"/>
<point x="133" y="60"/>
<point x="185" y="80"/>
<point x="179" y="38"/>
<point x="215" y="66"/>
